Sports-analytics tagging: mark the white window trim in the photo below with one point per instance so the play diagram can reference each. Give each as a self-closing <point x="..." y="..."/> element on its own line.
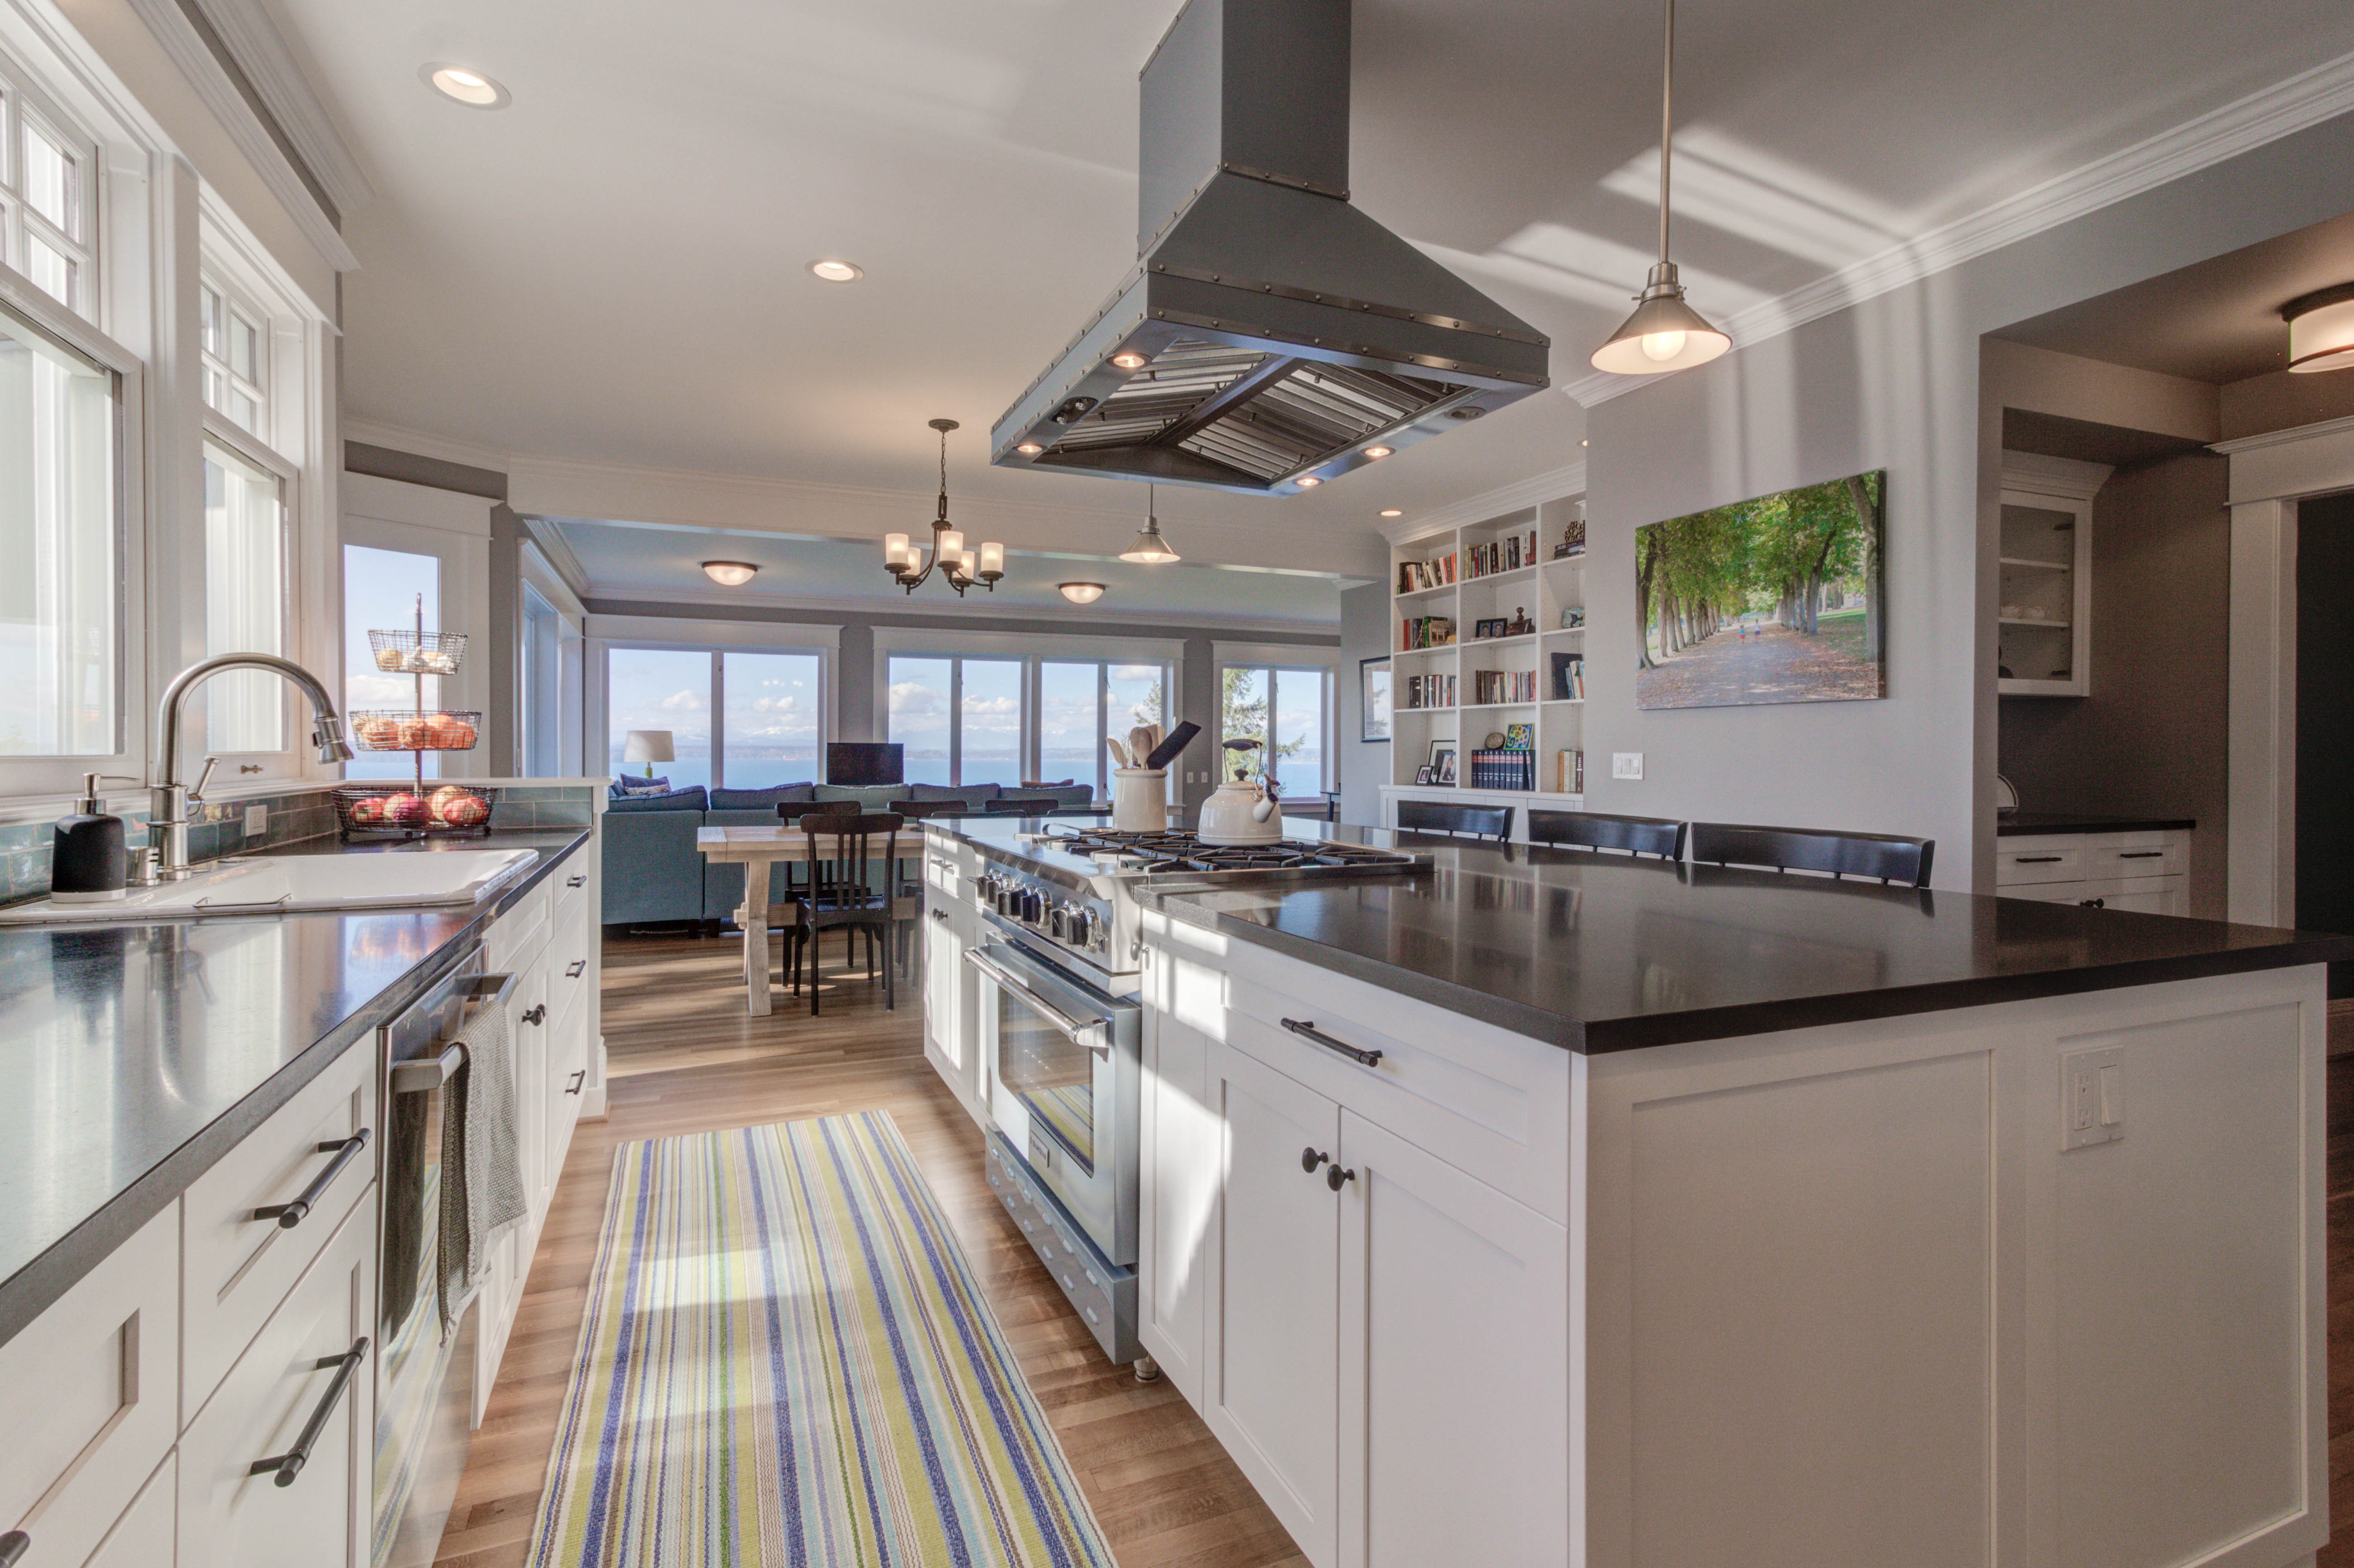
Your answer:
<point x="1281" y="656"/>
<point x="607" y="632"/>
<point x="287" y="761"/>
<point x="27" y="96"/>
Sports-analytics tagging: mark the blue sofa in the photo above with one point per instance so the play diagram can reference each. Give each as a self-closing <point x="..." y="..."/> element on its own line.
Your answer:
<point x="653" y="872"/>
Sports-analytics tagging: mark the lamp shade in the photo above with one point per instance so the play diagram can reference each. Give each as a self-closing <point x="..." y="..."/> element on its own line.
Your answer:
<point x="1664" y="333"/>
<point x="2321" y="330"/>
<point x="1149" y="549"/>
<point x="647" y="746"/>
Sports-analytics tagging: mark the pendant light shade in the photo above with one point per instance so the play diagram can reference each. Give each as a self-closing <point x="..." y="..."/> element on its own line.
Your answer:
<point x="2321" y="330"/>
<point x="1664" y="333"/>
<point x="1149" y="549"/>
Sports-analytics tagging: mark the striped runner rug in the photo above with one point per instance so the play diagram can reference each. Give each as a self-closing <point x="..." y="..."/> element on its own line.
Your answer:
<point x="786" y="1360"/>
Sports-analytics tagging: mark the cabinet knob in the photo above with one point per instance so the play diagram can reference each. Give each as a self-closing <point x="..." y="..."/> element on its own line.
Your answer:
<point x="2093" y="903"/>
<point x="1336" y="1178"/>
<point x="538" y="1015"/>
<point x="1309" y="1160"/>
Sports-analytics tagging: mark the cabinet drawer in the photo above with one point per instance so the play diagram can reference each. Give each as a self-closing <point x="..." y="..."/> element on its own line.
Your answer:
<point x="568" y="888"/>
<point x="570" y="960"/>
<point x="291" y="1373"/>
<point x="89" y="1398"/>
<point x="141" y="1538"/>
<point x="1490" y="1103"/>
<point x="2038" y="863"/>
<point x="242" y="1257"/>
<point x="517" y="934"/>
<point x="2160" y="858"/>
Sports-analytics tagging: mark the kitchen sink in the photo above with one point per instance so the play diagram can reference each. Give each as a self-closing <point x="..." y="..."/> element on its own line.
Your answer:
<point x="291" y="885"/>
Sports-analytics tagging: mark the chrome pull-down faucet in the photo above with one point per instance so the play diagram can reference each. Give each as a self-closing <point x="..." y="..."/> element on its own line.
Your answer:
<point x="168" y="828"/>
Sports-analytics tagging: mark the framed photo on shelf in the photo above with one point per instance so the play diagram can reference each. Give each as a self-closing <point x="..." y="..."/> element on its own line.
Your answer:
<point x="1422" y="775"/>
<point x="1373" y="699"/>
<point x="1442" y="762"/>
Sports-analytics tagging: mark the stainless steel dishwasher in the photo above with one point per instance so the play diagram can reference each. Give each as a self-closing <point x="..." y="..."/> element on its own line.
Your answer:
<point x="424" y="1370"/>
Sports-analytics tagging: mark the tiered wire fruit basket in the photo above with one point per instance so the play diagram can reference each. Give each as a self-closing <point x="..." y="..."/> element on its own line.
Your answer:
<point x="412" y="810"/>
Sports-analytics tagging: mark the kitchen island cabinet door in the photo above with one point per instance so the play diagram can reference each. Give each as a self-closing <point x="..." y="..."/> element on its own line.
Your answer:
<point x="1178" y="1144"/>
<point x="951" y="1032"/>
<point x="1454" y="1407"/>
<point x="1271" y="1334"/>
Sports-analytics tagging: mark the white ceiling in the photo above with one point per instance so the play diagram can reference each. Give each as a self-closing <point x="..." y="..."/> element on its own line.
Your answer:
<point x="613" y="268"/>
<point x="625" y="562"/>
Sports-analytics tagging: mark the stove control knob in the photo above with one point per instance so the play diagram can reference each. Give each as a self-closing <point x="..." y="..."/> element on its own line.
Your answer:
<point x="1058" y="920"/>
<point x="1076" y="921"/>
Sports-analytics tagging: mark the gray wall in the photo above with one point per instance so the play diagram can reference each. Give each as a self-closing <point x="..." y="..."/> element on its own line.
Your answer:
<point x="2150" y="740"/>
<point x="1364" y="767"/>
<point x="1890" y="383"/>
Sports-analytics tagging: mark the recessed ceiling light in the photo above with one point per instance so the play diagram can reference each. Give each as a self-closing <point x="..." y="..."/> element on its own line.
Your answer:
<point x="1029" y="448"/>
<point x="1377" y="451"/>
<point x="1128" y="359"/>
<point x="1080" y="593"/>
<point x="1308" y="482"/>
<point x="1392" y="512"/>
<point x="729" y="574"/>
<point x="1581" y="443"/>
<point x="838" y="271"/>
<point x="465" y="85"/>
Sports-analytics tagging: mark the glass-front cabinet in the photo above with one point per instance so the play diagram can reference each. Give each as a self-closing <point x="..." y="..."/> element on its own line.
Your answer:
<point x="2044" y="609"/>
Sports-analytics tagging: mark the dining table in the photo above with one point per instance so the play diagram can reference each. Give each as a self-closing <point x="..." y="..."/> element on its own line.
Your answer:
<point x="757" y="848"/>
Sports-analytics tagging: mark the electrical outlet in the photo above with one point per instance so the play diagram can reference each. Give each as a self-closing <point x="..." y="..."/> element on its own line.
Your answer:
<point x="2092" y="1097"/>
<point x="257" y="820"/>
<point x="1626" y="765"/>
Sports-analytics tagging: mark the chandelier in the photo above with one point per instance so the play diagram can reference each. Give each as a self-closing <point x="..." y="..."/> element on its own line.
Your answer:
<point x="961" y="567"/>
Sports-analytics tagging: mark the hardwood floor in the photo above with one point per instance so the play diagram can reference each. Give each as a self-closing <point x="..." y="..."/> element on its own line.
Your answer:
<point x="686" y="1056"/>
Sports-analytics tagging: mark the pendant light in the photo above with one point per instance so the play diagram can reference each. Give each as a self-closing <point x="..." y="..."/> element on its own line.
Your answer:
<point x="1664" y="333"/>
<point x="961" y="567"/>
<point x="1149" y="549"/>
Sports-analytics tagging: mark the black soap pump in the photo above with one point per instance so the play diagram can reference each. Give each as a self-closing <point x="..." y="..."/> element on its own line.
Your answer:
<point x="88" y="864"/>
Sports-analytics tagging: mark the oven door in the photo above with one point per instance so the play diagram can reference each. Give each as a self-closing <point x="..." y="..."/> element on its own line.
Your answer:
<point x="1064" y="1086"/>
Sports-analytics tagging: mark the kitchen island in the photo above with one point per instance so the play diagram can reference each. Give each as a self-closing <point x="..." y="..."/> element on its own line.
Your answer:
<point x="1528" y="1208"/>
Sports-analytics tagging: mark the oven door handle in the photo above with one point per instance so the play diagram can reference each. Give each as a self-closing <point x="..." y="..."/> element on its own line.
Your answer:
<point x="1095" y="1033"/>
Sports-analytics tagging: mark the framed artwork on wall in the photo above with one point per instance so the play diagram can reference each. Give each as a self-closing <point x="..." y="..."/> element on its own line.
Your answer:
<point x="1373" y="699"/>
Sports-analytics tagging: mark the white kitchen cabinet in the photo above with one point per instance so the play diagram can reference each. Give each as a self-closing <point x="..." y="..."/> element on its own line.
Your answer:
<point x="232" y="1518"/>
<point x="1454" y="1425"/>
<point x="2147" y="870"/>
<point x="1272" y="1334"/>
<point x="951" y="1021"/>
<point x="2043" y="618"/>
<point x="1178" y="1147"/>
<point x="142" y="1537"/>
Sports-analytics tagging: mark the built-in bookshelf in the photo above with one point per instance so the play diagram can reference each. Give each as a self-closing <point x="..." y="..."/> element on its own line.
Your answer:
<point x="1488" y="639"/>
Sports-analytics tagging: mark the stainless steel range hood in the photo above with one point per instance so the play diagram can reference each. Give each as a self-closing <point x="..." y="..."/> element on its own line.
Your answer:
<point x="1271" y="333"/>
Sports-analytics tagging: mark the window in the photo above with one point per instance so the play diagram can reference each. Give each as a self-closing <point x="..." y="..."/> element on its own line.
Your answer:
<point x="769" y="707"/>
<point x="44" y="201"/>
<point x="59" y="595"/>
<point x="1082" y="703"/>
<point x="383" y="590"/>
<point x="233" y="347"/>
<point x="984" y="720"/>
<point x="245" y="598"/>
<point x="1298" y="704"/>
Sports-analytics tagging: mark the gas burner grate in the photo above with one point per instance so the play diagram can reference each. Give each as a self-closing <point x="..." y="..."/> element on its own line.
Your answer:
<point x="1177" y="851"/>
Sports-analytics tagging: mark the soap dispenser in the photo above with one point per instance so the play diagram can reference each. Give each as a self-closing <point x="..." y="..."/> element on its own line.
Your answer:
<point x="89" y="865"/>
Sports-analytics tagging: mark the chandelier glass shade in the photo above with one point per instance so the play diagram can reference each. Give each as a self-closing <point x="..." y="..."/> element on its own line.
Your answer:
<point x="960" y="567"/>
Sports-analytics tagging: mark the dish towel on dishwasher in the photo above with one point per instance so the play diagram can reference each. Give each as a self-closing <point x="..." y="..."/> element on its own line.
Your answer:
<point x="481" y="1170"/>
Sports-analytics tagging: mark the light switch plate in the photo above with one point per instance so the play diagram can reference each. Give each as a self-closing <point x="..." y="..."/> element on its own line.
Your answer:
<point x="2091" y="1097"/>
<point x="1626" y="765"/>
<point x="257" y="820"/>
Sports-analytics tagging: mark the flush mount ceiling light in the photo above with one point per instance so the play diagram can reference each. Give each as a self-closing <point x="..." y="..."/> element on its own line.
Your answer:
<point x="2321" y="330"/>
<point x="464" y="85"/>
<point x="1080" y="593"/>
<point x="1664" y="333"/>
<point x="729" y="574"/>
<point x="961" y="567"/>
<point x="1149" y="549"/>
<point x="1393" y="512"/>
<point x="838" y="271"/>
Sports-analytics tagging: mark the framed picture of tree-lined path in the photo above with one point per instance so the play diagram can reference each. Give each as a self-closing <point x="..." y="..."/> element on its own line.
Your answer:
<point x="1774" y="599"/>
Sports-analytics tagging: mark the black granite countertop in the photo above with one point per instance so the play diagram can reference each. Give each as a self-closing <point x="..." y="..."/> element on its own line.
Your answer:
<point x="133" y="1057"/>
<point x="1602" y="953"/>
<point x="2013" y="824"/>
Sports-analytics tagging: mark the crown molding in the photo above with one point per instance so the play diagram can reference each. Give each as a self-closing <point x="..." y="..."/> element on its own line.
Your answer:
<point x="269" y="62"/>
<point x="399" y="439"/>
<point x="2319" y="430"/>
<point x="2297" y="103"/>
<point x="612" y="602"/>
<point x="2041" y="475"/>
<point x="549" y="540"/>
<point x="1553" y="484"/>
<point x="187" y="50"/>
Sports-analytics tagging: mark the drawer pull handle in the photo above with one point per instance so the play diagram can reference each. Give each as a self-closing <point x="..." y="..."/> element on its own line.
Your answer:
<point x="13" y="1547"/>
<point x="289" y="1464"/>
<point x="579" y="1078"/>
<point x="344" y="1149"/>
<point x="538" y="1015"/>
<point x="2038" y="860"/>
<point x="2141" y="854"/>
<point x="576" y="969"/>
<point x="1308" y="1031"/>
<point x="1309" y="1160"/>
<point x="1336" y="1178"/>
<point x="575" y="882"/>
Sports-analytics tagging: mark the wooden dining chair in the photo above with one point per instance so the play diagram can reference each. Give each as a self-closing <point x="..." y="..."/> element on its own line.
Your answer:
<point x="790" y="813"/>
<point x="1598" y="831"/>
<point x="846" y="892"/>
<point x="1888" y="857"/>
<point x="1448" y="817"/>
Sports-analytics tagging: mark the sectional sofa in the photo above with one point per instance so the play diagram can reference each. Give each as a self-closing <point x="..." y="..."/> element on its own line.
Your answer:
<point x="654" y="872"/>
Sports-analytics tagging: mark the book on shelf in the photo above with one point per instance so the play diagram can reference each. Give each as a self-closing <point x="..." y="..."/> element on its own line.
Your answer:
<point x="1426" y="632"/>
<point x="1437" y="572"/>
<point x="1568" y="677"/>
<point x="1569" y="773"/>
<point x="1501" y="555"/>
<point x="1428" y="692"/>
<point x="1491" y="686"/>
<point x="1504" y="770"/>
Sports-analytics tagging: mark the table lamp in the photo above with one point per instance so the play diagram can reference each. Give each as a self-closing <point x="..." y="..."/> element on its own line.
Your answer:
<point x="648" y="746"/>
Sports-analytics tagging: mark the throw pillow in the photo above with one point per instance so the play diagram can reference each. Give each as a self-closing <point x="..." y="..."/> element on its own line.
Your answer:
<point x="692" y="799"/>
<point x="625" y="785"/>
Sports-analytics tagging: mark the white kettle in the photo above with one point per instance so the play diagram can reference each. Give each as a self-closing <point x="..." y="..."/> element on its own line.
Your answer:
<point x="1242" y="810"/>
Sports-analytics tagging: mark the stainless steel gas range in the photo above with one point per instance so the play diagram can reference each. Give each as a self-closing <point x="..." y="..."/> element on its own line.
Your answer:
<point x="1061" y="1027"/>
